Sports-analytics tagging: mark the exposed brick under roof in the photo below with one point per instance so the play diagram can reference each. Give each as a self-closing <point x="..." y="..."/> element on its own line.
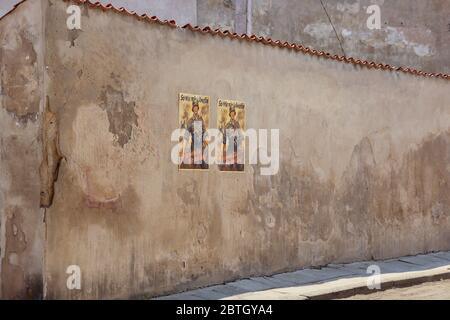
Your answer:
<point x="253" y="38"/>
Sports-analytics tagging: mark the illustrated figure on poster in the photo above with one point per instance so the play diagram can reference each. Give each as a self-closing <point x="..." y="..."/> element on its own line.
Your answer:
<point x="195" y="138"/>
<point x="231" y="126"/>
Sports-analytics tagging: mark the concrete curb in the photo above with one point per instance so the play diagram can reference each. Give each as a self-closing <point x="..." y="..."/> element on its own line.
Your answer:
<point x="349" y="286"/>
<point x="334" y="281"/>
<point x="389" y="284"/>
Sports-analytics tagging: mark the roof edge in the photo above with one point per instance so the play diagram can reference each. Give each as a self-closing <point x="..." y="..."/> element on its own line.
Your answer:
<point x="12" y="9"/>
<point x="253" y="38"/>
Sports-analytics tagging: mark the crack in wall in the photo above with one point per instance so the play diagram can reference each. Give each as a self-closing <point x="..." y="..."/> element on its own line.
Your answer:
<point x="51" y="157"/>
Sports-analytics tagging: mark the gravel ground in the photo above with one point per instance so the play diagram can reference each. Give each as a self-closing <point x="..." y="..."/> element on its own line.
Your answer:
<point x="427" y="291"/>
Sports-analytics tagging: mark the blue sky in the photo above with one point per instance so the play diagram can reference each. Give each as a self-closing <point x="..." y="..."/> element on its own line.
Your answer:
<point x="6" y="5"/>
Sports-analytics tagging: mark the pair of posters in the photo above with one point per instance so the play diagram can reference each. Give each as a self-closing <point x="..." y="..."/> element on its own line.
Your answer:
<point x="194" y="117"/>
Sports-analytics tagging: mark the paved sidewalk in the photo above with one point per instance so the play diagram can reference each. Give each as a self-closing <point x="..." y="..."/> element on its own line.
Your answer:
<point x="332" y="281"/>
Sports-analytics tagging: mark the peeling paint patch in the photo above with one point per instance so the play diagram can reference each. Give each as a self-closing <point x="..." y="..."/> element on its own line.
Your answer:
<point x="73" y="35"/>
<point x="16" y="244"/>
<point x="397" y="37"/>
<point x="346" y="33"/>
<point x="319" y="30"/>
<point x="19" y="76"/>
<point x="121" y="114"/>
<point x="422" y="50"/>
<point x="348" y="7"/>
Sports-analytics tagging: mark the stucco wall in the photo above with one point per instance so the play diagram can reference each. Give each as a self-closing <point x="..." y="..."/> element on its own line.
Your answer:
<point x="363" y="174"/>
<point x="413" y="33"/>
<point x="21" y="219"/>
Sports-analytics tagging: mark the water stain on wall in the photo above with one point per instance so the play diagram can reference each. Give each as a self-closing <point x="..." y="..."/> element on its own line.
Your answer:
<point x="18" y="76"/>
<point x="121" y="114"/>
<point x="16" y="244"/>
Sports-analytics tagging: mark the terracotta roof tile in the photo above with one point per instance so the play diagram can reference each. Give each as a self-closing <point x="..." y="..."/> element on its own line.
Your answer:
<point x="262" y="40"/>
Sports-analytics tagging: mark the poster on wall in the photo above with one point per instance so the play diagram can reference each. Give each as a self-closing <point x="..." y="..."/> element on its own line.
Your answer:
<point x="231" y="123"/>
<point x="193" y="111"/>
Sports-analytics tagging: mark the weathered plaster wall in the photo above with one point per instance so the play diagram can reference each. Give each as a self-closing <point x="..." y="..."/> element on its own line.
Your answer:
<point x="183" y="11"/>
<point x="364" y="161"/>
<point x="21" y="88"/>
<point x="414" y="32"/>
